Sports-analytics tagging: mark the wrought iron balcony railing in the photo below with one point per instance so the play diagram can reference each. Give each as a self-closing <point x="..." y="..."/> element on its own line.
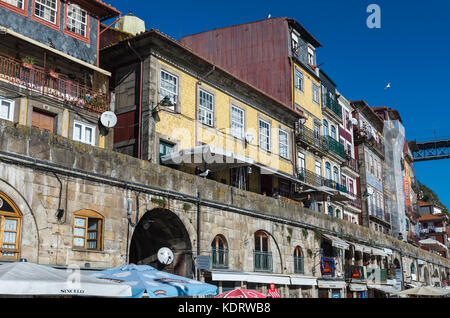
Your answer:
<point x="310" y="177"/>
<point x="352" y="164"/>
<point x="39" y="81"/>
<point x="357" y="203"/>
<point x="335" y="185"/>
<point x="219" y="258"/>
<point x="332" y="105"/>
<point x="336" y="147"/>
<point x="311" y="138"/>
<point x="262" y="261"/>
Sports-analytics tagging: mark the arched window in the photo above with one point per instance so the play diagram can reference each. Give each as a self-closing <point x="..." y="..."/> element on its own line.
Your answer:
<point x="325" y="128"/>
<point x="327" y="171"/>
<point x="219" y="251"/>
<point x="330" y="210"/>
<point x="336" y="174"/>
<point x="262" y="254"/>
<point x="87" y="230"/>
<point x="413" y="269"/>
<point x="299" y="264"/>
<point x="338" y="213"/>
<point x="10" y="222"/>
<point x="333" y="132"/>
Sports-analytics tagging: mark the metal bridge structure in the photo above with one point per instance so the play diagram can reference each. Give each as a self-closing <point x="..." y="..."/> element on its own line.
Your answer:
<point x="430" y="150"/>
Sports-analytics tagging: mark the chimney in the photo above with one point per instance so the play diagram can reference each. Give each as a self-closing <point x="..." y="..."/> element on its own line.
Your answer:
<point x="131" y="24"/>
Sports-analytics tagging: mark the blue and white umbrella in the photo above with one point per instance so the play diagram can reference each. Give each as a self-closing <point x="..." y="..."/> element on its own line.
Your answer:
<point x="157" y="284"/>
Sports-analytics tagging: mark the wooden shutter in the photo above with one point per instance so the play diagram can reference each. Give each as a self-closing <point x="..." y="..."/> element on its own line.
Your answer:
<point x="43" y="121"/>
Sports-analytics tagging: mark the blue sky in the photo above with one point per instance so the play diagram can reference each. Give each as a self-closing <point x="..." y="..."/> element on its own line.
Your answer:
<point x="411" y="49"/>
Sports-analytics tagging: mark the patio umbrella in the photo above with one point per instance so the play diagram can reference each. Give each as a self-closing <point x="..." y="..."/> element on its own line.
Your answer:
<point x="425" y="291"/>
<point x="242" y="293"/>
<point x="157" y="284"/>
<point x="23" y="278"/>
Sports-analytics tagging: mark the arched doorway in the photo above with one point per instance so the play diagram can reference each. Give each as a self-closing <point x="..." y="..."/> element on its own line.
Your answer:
<point x="10" y="225"/>
<point x="162" y="228"/>
<point x="426" y="275"/>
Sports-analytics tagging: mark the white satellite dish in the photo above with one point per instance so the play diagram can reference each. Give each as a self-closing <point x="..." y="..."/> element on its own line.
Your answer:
<point x="108" y="119"/>
<point x="249" y="137"/>
<point x="354" y="121"/>
<point x="165" y="256"/>
<point x="370" y="191"/>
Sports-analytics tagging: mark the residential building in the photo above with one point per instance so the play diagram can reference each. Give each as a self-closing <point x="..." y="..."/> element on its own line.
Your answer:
<point x="394" y="139"/>
<point x="279" y="56"/>
<point x="369" y="143"/>
<point x="434" y="233"/>
<point x="216" y="124"/>
<point x="49" y="73"/>
<point x="350" y="167"/>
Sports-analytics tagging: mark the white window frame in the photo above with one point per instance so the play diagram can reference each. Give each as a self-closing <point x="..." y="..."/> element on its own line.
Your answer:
<point x="281" y="145"/>
<point x="174" y="98"/>
<point x="206" y="114"/>
<point x="75" y="20"/>
<point x="311" y="56"/>
<point x="296" y="46"/>
<point x="11" y="108"/>
<point x="299" y="75"/>
<point x="46" y="7"/>
<point x="237" y="128"/>
<point x="315" y="93"/>
<point x="11" y="2"/>
<point x="83" y="132"/>
<point x="264" y="136"/>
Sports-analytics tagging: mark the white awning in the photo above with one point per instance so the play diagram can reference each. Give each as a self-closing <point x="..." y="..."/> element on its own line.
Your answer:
<point x="337" y="242"/>
<point x="229" y="276"/>
<point x="436" y="245"/>
<point x="250" y="277"/>
<point x="358" y="287"/>
<point x="211" y="157"/>
<point x="379" y="252"/>
<point x="384" y="288"/>
<point x="388" y="251"/>
<point x="268" y="279"/>
<point x="338" y="284"/>
<point x="303" y="281"/>
<point x="421" y="262"/>
<point x="362" y="248"/>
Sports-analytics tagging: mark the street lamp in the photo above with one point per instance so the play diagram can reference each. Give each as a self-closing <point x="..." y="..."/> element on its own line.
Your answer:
<point x="165" y="102"/>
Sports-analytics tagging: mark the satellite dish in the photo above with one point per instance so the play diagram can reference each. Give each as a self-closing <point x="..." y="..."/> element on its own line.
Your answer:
<point x="165" y="256"/>
<point x="249" y="137"/>
<point x="370" y="191"/>
<point x="108" y="119"/>
<point x="354" y="121"/>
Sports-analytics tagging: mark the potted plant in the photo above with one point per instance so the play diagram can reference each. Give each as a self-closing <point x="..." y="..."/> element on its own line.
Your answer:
<point x="28" y="62"/>
<point x="53" y="74"/>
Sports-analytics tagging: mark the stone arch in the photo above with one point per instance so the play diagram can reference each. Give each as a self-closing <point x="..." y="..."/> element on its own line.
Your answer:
<point x="162" y="228"/>
<point x="426" y="275"/>
<point x="34" y="221"/>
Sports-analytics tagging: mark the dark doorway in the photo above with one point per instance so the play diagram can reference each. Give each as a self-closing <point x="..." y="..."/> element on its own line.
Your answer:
<point x="162" y="228"/>
<point x="266" y="184"/>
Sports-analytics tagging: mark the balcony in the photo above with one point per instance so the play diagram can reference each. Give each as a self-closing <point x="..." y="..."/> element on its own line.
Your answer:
<point x="335" y="185"/>
<point x="357" y="203"/>
<point x="335" y="147"/>
<point x="310" y="177"/>
<point x="41" y="82"/>
<point x="310" y="138"/>
<point x="352" y="164"/>
<point x="365" y="136"/>
<point x="262" y="261"/>
<point x="376" y="275"/>
<point x="376" y="211"/>
<point x="219" y="258"/>
<point x="354" y="272"/>
<point x="334" y="107"/>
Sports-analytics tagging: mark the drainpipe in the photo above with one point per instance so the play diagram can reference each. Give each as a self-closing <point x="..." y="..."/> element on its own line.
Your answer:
<point x="141" y="75"/>
<point x="198" y="232"/>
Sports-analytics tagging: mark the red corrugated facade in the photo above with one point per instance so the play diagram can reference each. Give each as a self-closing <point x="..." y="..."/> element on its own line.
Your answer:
<point x="257" y="52"/>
